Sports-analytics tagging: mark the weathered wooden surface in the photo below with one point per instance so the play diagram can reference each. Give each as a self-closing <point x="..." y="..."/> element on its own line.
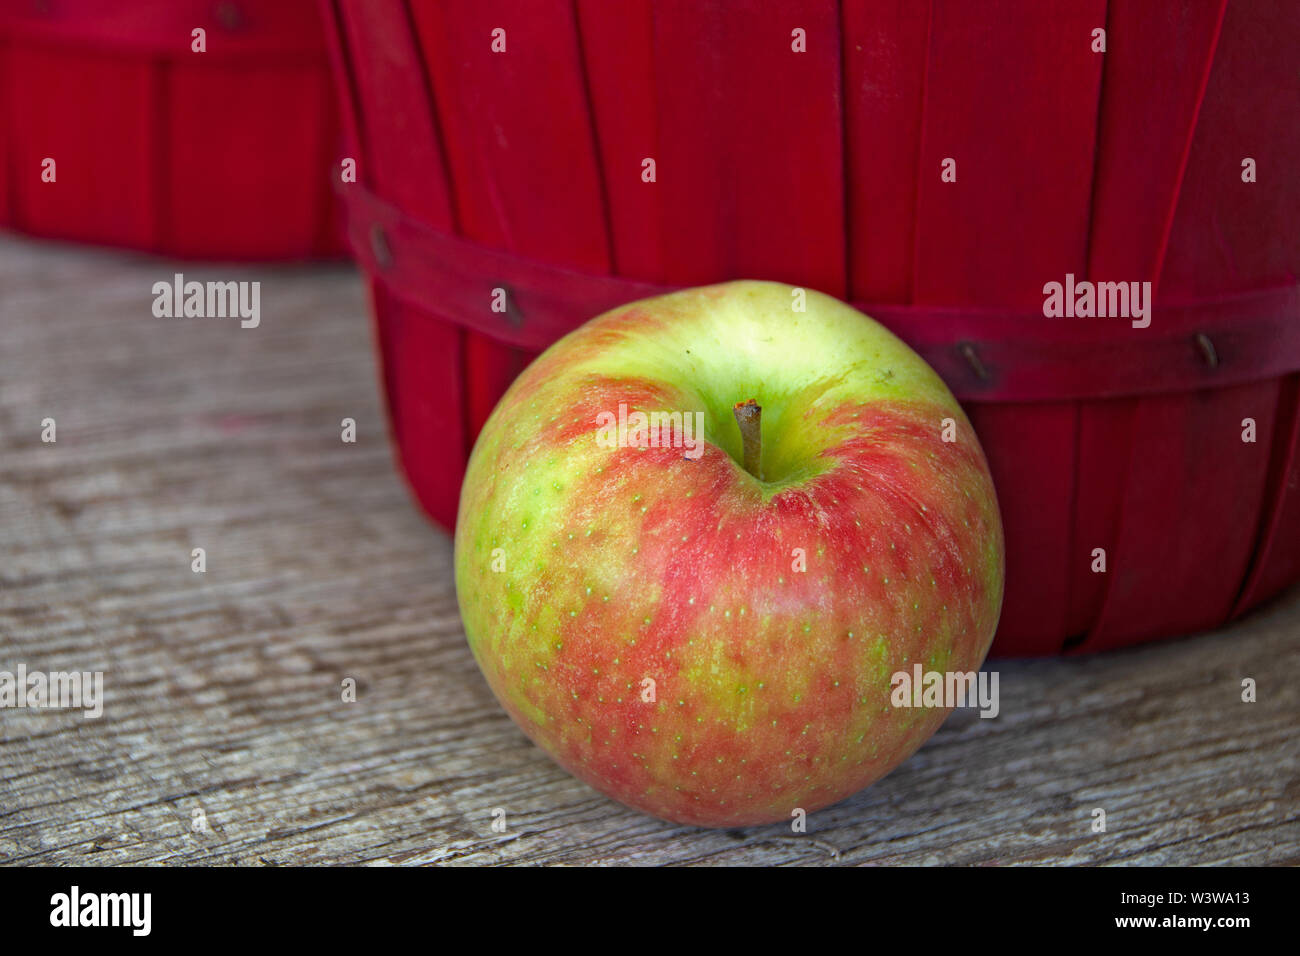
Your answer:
<point x="223" y="689"/>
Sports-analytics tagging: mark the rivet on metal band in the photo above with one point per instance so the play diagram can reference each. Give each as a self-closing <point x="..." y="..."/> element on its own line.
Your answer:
<point x="229" y="15"/>
<point x="513" y="315"/>
<point x="379" y="247"/>
<point x="968" y="352"/>
<point x="1208" y="352"/>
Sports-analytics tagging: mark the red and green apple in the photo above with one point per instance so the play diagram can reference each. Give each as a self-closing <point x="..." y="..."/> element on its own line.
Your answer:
<point x="706" y="627"/>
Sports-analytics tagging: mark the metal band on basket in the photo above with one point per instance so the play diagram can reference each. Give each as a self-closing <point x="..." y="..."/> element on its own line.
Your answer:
<point x="984" y="354"/>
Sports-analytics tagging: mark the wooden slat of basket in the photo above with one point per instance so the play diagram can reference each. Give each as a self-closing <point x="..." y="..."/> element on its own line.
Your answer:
<point x="750" y="146"/>
<point x="1015" y="219"/>
<point x="519" y="143"/>
<point x="1184" y="538"/>
<point x="1276" y="562"/>
<point x="403" y="157"/>
<point x="885" y="47"/>
<point x="1229" y="235"/>
<point x="1144" y="139"/>
<point x="7" y="85"/>
<point x="1103" y="445"/>
<point x="618" y="51"/>
<point x="1017" y="216"/>
<point x="1031" y="453"/>
<point x="1195" y="509"/>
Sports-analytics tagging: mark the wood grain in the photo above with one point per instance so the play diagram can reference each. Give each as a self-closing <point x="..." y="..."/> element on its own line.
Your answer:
<point x="223" y="689"/>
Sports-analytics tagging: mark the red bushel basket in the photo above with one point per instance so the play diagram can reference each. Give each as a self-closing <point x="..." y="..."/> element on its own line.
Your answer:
<point x="227" y="153"/>
<point x="937" y="165"/>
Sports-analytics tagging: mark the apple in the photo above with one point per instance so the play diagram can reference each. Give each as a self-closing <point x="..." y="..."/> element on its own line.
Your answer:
<point x="706" y="627"/>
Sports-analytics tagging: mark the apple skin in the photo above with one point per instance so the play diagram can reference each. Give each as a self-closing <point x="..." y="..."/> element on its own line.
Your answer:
<point x="771" y="685"/>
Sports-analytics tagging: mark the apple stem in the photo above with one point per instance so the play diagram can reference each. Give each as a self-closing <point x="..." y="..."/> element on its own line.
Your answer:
<point x="749" y="417"/>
